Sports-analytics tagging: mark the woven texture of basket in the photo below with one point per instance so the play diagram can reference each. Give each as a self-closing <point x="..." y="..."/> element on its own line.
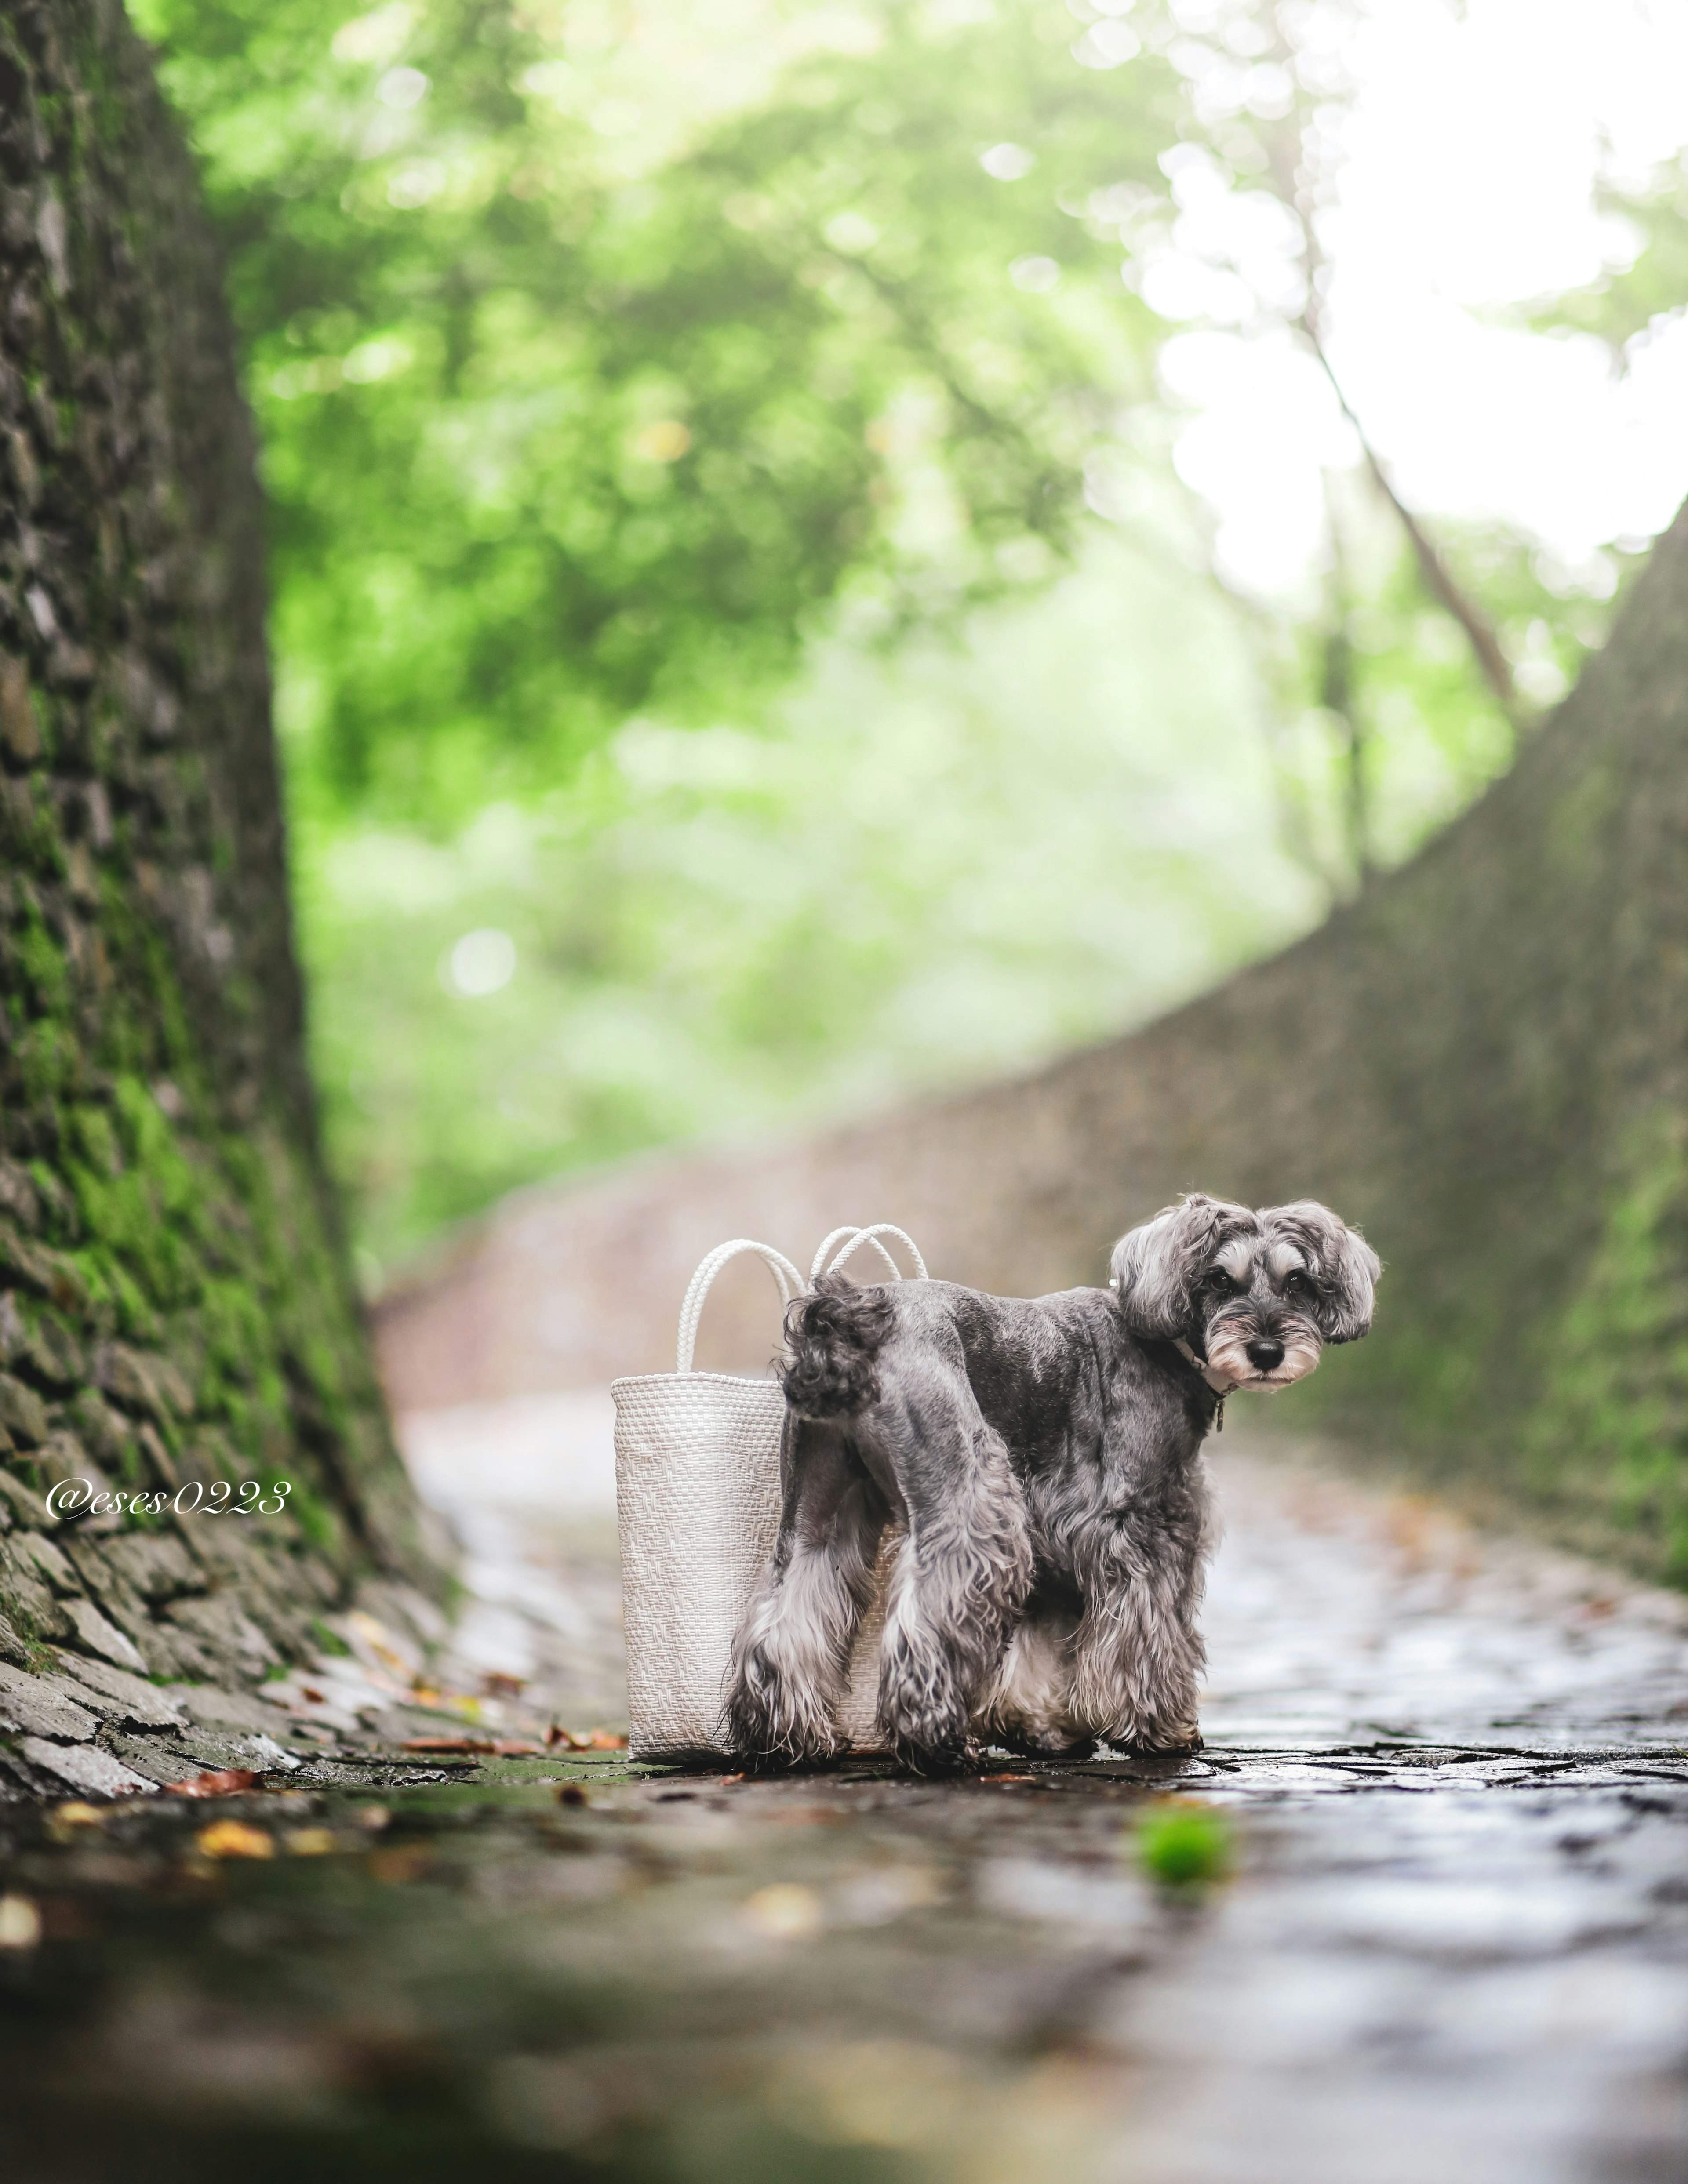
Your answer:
<point x="696" y="1505"/>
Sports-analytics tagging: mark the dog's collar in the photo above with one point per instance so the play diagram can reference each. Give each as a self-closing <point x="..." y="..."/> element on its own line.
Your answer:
<point x="1218" y="1382"/>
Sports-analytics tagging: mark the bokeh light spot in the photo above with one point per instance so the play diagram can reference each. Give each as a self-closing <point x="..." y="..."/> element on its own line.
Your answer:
<point x="1035" y="275"/>
<point x="402" y="87"/>
<point x="664" y="441"/>
<point x="482" y="962"/>
<point x="1007" y="163"/>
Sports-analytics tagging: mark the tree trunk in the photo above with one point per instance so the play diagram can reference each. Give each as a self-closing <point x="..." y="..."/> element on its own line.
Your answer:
<point x="1483" y="1061"/>
<point x="177" y="1318"/>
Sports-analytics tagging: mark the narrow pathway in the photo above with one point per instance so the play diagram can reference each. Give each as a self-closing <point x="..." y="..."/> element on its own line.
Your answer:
<point x="1454" y="1948"/>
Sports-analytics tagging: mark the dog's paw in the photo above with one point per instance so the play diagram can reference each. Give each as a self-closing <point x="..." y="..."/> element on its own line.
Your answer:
<point x="1045" y="1743"/>
<point x="761" y="1724"/>
<point x="932" y="1761"/>
<point x="1176" y="1743"/>
<point x="1162" y="1739"/>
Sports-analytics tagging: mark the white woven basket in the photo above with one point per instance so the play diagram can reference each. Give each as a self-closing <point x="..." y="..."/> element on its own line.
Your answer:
<point x="697" y="1506"/>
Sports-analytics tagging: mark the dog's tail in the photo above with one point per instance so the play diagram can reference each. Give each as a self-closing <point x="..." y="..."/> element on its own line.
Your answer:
<point x="832" y="1337"/>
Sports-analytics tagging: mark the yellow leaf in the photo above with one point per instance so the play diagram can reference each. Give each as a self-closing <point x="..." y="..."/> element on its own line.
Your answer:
<point x="234" y="1838"/>
<point x="310" y="1842"/>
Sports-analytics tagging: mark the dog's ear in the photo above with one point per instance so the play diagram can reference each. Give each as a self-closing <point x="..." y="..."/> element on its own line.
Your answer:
<point x="1156" y="1268"/>
<point x="1344" y="1267"/>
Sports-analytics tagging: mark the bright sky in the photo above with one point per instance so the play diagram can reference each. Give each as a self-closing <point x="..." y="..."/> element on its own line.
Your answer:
<point x="1466" y="186"/>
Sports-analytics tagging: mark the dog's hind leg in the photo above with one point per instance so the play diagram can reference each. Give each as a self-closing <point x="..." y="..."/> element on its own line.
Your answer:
<point x="791" y="1657"/>
<point x="962" y="1576"/>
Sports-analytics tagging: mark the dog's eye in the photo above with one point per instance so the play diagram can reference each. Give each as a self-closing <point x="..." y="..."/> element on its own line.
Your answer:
<point x="1298" y="1286"/>
<point x="1218" y="1281"/>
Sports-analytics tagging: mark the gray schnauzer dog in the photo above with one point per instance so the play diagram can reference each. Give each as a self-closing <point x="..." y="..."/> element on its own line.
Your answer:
<point x="1042" y="1460"/>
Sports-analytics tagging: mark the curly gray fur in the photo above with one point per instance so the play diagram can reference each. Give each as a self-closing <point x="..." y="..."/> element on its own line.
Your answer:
<point x="832" y="1338"/>
<point x="1044" y="1456"/>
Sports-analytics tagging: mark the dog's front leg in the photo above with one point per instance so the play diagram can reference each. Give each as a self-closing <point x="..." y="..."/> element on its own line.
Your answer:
<point x="1137" y="1653"/>
<point x="791" y="1657"/>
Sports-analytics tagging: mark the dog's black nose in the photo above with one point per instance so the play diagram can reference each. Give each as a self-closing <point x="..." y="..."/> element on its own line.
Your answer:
<point x="1266" y="1356"/>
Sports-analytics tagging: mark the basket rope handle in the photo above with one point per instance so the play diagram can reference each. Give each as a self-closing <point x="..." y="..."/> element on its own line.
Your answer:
<point x="857" y="1238"/>
<point x="789" y="1283"/>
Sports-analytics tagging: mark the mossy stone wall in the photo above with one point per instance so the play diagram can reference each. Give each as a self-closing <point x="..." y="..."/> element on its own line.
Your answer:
<point x="175" y="1303"/>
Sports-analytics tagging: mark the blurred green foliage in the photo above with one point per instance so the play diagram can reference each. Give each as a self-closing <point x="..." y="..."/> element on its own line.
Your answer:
<point x="939" y="864"/>
<point x="1632" y="300"/>
<point x="573" y="406"/>
<point x="675" y="420"/>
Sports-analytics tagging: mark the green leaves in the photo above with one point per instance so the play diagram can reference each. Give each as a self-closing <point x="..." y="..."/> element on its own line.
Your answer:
<point x="1646" y="281"/>
<point x="555" y="432"/>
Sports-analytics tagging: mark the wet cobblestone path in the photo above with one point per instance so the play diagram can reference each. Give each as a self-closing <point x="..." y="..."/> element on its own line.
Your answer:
<point x="1453" y="1945"/>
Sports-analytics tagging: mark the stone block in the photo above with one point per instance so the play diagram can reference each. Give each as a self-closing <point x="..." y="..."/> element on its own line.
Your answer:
<point x="36" y="1550"/>
<point x="104" y="1431"/>
<point x="166" y="1655"/>
<point x="156" y="1763"/>
<point x="22" y="1412"/>
<point x="183" y="1656"/>
<point x="22" y="1503"/>
<point x="153" y="1564"/>
<point x="219" y="1625"/>
<point x="18" y="1200"/>
<point x="120" y="1695"/>
<point x="99" y="1636"/>
<point x="212" y="1708"/>
<point x="102" y="1577"/>
<point x="86" y="1768"/>
<point x="25" y="1600"/>
<point x="55" y="1355"/>
<point x="29" y="1704"/>
<point x="28" y="1266"/>
<point x="19" y="730"/>
<point x="142" y="1382"/>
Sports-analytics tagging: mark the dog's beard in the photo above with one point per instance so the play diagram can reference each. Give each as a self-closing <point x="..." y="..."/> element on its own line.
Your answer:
<point x="1228" y="1342"/>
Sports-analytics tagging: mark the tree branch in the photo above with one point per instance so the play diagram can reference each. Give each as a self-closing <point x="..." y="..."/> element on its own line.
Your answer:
<point x="1440" y="579"/>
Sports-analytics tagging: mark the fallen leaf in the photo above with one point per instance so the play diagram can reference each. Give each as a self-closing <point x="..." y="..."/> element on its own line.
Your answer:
<point x="310" y="1691"/>
<point x="310" y="1842"/>
<point x="1010" y="1778"/>
<point x="447" y="1744"/>
<point x="498" y="1685"/>
<point x="381" y="1641"/>
<point x="74" y="1814"/>
<point x="571" y="1793"/>
<point x="215" y="1782"/>
<point x="20" y="1923"/>
<point x="403" y="1862"/>
<point x="375" y="1818"/>
<point x="516" y="1747"/>
<point x="234" y="1838"/>
<point x="785" y="1911"/>
<point x="728" y="1781"/>
<point x="605" y="1740"/>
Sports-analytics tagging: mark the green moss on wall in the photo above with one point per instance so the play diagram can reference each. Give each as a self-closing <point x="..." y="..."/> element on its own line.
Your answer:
<point x="1611" y="1427"/>
<point x="174" y="1298"/>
